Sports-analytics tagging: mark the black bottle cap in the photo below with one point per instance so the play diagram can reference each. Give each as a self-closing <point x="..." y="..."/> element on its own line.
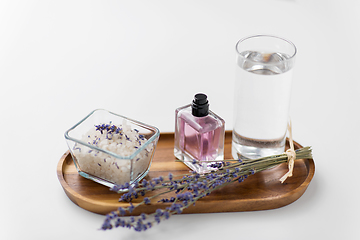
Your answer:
<point x="200" y="105"/>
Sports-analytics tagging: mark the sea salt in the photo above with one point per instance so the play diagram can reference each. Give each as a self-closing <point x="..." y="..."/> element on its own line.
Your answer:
<point x="117" y="139"/>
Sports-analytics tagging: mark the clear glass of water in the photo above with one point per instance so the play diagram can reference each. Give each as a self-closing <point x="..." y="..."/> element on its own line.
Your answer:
<point x="262" y="95"/>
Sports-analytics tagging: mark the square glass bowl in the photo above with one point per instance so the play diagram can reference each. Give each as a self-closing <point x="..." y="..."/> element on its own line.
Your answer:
<point x="111" y="149"/>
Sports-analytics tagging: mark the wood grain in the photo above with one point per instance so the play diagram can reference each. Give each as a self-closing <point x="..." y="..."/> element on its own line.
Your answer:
<point x="261" y="191"/>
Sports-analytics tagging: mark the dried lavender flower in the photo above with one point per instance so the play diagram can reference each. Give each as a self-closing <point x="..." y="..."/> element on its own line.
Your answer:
<point x="186" y="189"/>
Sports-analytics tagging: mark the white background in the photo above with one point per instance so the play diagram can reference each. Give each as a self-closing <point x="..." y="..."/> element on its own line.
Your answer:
<point x="59" y="60"/>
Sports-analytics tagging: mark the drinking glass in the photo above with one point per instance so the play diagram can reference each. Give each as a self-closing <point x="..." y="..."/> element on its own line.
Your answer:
<point x="262" y="95"/>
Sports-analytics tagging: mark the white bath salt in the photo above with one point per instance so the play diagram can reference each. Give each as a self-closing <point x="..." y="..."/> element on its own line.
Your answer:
<point x="121" y="140"/>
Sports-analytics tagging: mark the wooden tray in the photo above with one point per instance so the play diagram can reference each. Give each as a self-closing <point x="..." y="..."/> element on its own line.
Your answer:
<point x="260" y="191"/>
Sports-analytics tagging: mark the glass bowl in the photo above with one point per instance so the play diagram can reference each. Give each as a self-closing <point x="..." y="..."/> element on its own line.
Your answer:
<point x="111" y="149"/>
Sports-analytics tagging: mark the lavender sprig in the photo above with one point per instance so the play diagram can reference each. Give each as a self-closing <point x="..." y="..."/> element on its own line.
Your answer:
<point x="186" y="189"/>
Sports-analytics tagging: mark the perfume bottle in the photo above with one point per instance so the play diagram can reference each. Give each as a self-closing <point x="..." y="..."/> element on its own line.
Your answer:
<point x="199" y="135"/>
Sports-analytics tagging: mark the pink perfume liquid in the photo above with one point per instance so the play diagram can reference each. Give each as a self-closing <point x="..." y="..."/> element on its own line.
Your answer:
<point x="198" y="138"/>
<point x="201" y="137"/>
